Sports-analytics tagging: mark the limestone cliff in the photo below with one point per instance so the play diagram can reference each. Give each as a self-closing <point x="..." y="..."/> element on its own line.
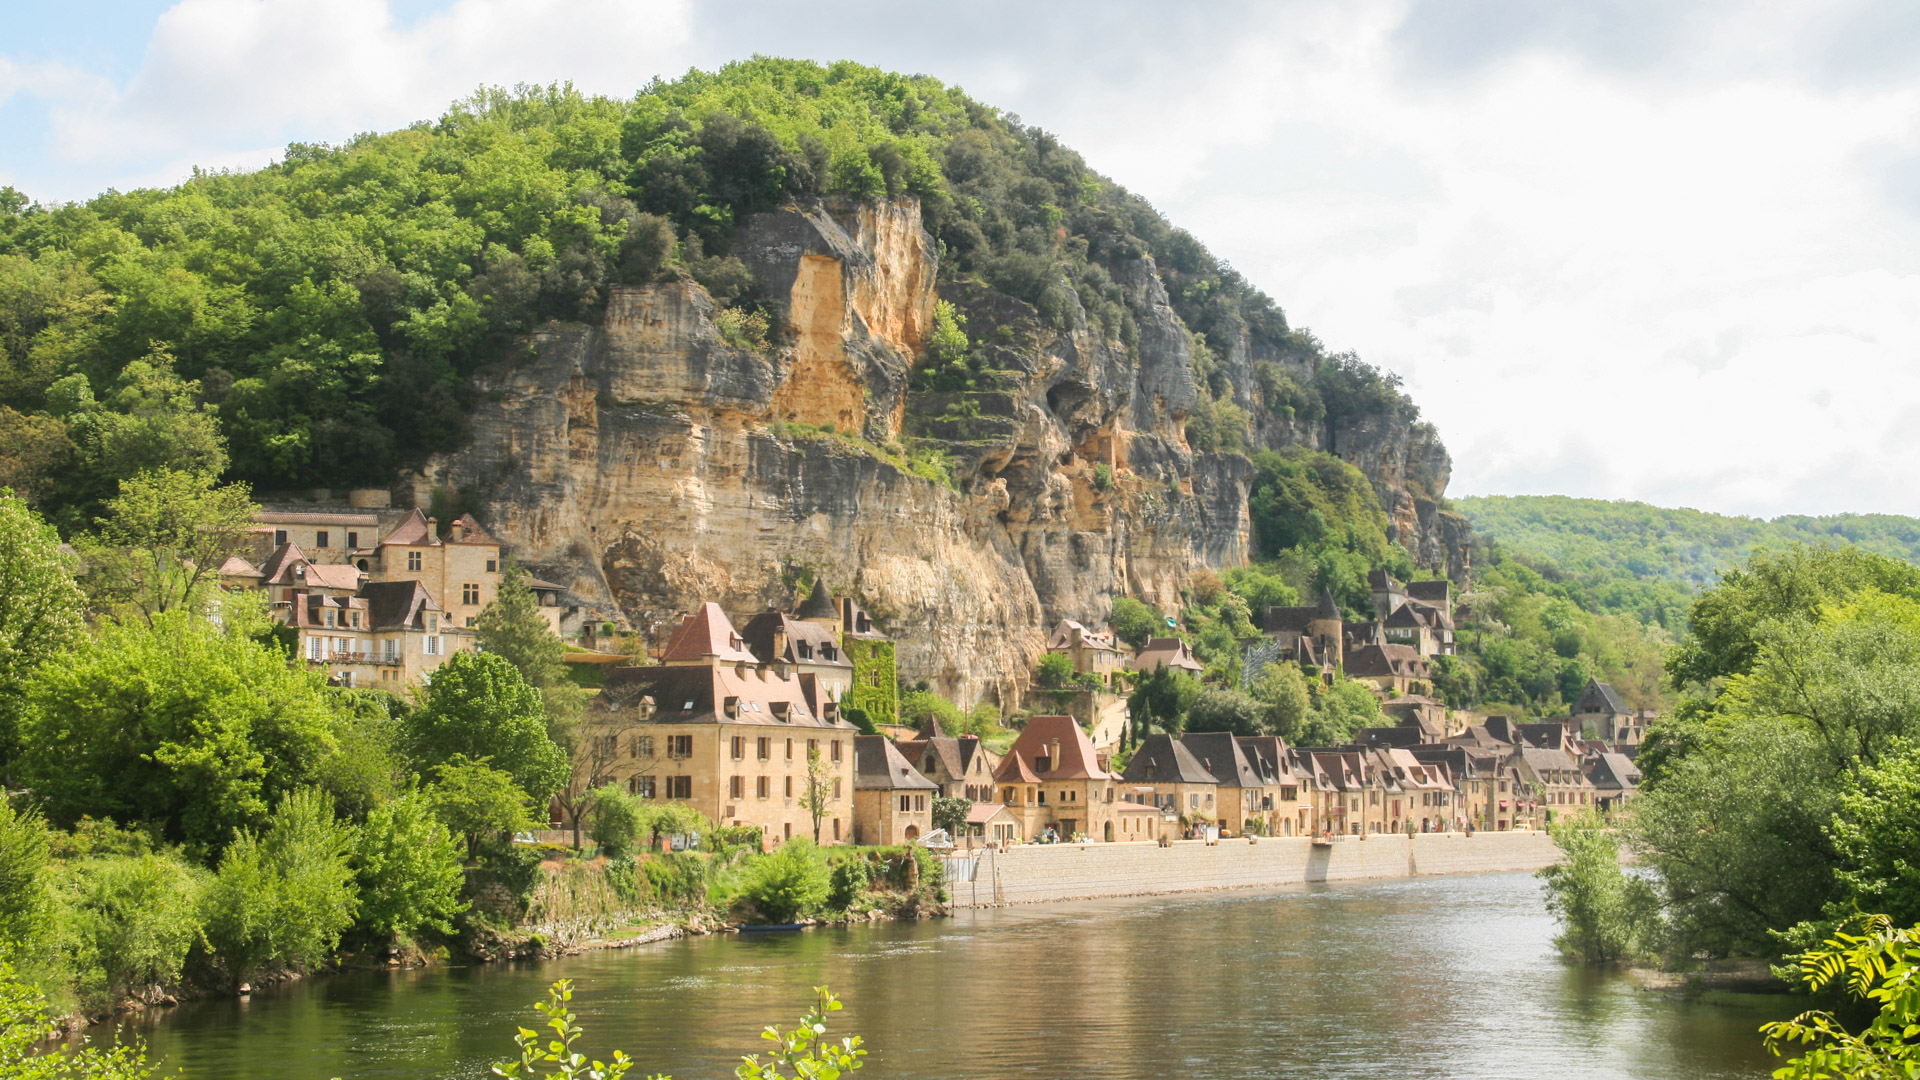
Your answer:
<point x="649" y="464"/>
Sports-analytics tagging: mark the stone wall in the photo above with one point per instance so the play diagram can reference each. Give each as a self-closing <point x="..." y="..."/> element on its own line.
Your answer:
<point x="1040" y="873"/>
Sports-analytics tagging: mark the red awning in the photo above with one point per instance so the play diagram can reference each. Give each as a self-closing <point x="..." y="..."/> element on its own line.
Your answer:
<point x="1503" y="804"/>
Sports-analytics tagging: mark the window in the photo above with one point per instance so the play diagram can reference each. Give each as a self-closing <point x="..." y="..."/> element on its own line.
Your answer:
<point x="356" y="620"/>
<point x="906" y="803"/>
<point x="836" y="787"/>
<point x="353" y="539"/>
<point x="313" y="648"/>
<point x="606" y="746"/>
<point x="813" y="747"/>
<point x="836" y="751"/>
<point x="1193" y="802"/>
<point x="469" y="593"/>
<point x="279" y="537"/>
<point x="433" y="646"/>
<point x="413" y="560"/>
<point x="789" y="749"/>
<point x="493" y="565"/>
<point x="679" y="787"/>
<point x="760" y="786"/>
<point x="736" y="787"/>
<point x="789" y="787"/>
<point x="471" y="620"/>
<point x="836" y="828"/>
<point x="679" y="746"/>
<point x="919" y="802"/>
<point x="766" y="748"/>
<point x="641" y="786"/>
<point x="642" y="746"/>
<point x="390" y="649"/>
<point x="739" y="747"/>
<point x="320" y="539"/>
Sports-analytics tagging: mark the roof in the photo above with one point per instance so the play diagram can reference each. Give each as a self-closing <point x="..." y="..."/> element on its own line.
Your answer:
<point x="1437" y="593"/>
<point x="396" y="605"/>
<point x="1070" y="635"/>
<point x="941" y="749"/>
<point x="805" y="642"/>
<point x="1543" y="758"/>
<point x="855" y="622"/>
<point x="412" y="532"/>
<point x="1220" y="754"/>
<point x="1551" y="735"/>
<point x="235" y="566"/>
<point x="1161" y="759"/>
<point x="1381" y="581"/>
<point x="280" y="558"/>
<point x="1611" y="770"/>
<point x="1372" y="661"/>
<point x="983" y="813"/>
<point x="1600" y="697"/>
<point x="1166" y="652"/>
<point x="308" y="517"/>
<point x="1077" y="758"/>
<point x="819" y="604"/>
<point x="1328" y="609"/>
<point x="707" y="635"/>
<point x="721" y="693"/>
<point x="471" y="532"/>
<point x="1287" y="620"/>
<point x="877" y="764"/>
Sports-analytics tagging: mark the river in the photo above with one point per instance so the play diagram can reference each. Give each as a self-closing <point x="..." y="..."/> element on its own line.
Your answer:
<point x="1444" y="977"/>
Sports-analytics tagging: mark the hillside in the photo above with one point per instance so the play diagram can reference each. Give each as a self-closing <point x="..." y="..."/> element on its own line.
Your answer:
<point x="742" y="329"/>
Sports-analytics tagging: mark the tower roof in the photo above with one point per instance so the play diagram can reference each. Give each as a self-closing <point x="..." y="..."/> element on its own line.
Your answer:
<point x="819" y="605"/>
<point x="706" y="634"/>
<point x="1328" y="609"/>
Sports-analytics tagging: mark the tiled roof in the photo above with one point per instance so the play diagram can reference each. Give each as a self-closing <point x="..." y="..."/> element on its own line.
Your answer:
<point x="806" y="642"/>
<point x="412" y="532"/>
<point x="1166" y="652"/>
<point x="982" y="813"/>
<point x="1374" y="661"/>
<point x="707" y="635"/>
<point x="1070" y="634"/>
<point x="235" y="566"/>
<point x="1077" y="758"/>
<point x="396" y="605"/>
<point x="471" y="532"/>
<point x="876" y="764"/>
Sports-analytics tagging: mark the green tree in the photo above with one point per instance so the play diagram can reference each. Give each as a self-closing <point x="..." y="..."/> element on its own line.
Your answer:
<point x="1873" y="961"/>
<point x="478" y="707"/>
<point x="406" y="866"/>
<point x="164" y="537"/>
<point x="1161" y="697"/>
<point x="1606" y="915"/>
<point x="179" y="725"/>
<point x="1217" y="709"/>
<point x="1055" y="670"/>
<point x="25" y="848"/>
<point x="128" y="922"/>
<point x="1135" y="622"/>
<point x="1339" y="711"/>
<point x="1283" y="690"/>
<point x="618" y="819"/>
<point x="788" y="883"/>
<point x="41" y="611"/>
<point x="478" y="802"/>
<point x="951" y="814"/>
<point x="512" y="627"/>
<point x="816" y="797"/>
<point x="283" y="897"/>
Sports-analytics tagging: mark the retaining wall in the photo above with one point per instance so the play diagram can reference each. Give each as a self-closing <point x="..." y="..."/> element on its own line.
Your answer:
<point x="1037" y="873"/>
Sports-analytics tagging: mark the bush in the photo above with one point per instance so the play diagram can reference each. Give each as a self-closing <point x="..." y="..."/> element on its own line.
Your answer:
<point x="1606" y="915"/>
<point x="1054" y="670"/>
<point x="283" y="898"/>
<point x="408" y="866"/>
<point x="616" y="819"/>
<point x="848" y="882"/>
<point x="128" y="922"/>
<point x="1134" y="621"/>
<point x="787" y="884"/>
<point x="31" y="1050"/>
<point x="677" y="878"/>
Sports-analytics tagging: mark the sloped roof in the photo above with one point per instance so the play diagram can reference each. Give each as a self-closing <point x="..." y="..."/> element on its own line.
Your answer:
<point x="943" y="749"/>
<point x="1437" y="593"/>
<point x="1611" y="770"/>
<point x="1220" y="754"/>
<point x="819" y="603"/>
<point x="1328" y="609"/>
<point x="395" y="605"/>
<point x="702" y="693"/>
<point x="471" y="532"/>
<point x="1166" y="652"/>
<point x="1077" y="758"/>
<point x="333" y="576"/>
<point x="983" y="813"/>
<point x="280" y="558"/>
<point x="1161" y="759"/>
<point x="411" y="532"/>
<point x="1600" y="697"/>
<point x="1069" y="634"/>
<point x="877" y="764"/>
<point x="235" y="566"/>
<point x="269" y="516"/>
<point x="821" y="649"/>
<point x="1378" y="660"/>
<point x="707" y="635"/>
<point x="1287" y="620"/>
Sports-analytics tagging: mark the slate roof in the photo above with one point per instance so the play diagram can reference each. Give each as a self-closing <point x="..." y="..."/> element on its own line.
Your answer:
<point x="1551" y="735"/>
<point x="1372" y="661"/>
<point x="1161" y="759"/>
<point x="877" y="764"/>
<point x="819" y="604"/>
<point x="707" y="635"/>
<point x="471" y="532"/>
<point x="1600" y="697"/>
<point x="1287" y="620"/>
<point x="412" y="532"/>
<point x="701" y="693"/>
<point x="1220" y="754"/>
<point x="397" y="605"/>
<point x="235" y="566"/>
<point x="819" y="646"/>
<point x="1614" y="771"/>
<point x="1437" y="593"/>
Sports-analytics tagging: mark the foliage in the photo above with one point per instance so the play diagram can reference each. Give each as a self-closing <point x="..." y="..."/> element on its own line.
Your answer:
<point x="786" y="884"/>
<point x="512" y="627"/>
<point x="1876" y="831"/>
<point x="24" y="857"/>
<point x="479" y="707"/>
<point x="1283" y="690"/>
<point x="1339" y="711"/>
<point x="917" y="707"/>
<point x="1135" y="622"/>
<point x="178" y="724"/>
<point x="817" y="793"/>
<point x="848" y="881"/>
<point x="41" y="610"/>
<point x="1054" y="671"/>
<point x="665" y="819"/>
<point x="1216" y="709"/>
<point x="164" y="537"/>
<point x="618" y="819"/>
<point x="804" y="1050"/>
<point x="556" y="1057"/>
<point x="478" y="802"/>
<point x="1606" y="915"/>
<point x="677" y="877"/>
<point x="1327" y="510"/>
<point x="950" y="814"/>
<point x="127" y="922"/>
<point x="949" y="364"/>
<point x="283" y="897"/>
<point x="29" y="1049"/>
<point x="875" y="690"/>
<point x="406" y="864"/>
<point x="1873" y="961"/>
<point x="1162" y="697"/>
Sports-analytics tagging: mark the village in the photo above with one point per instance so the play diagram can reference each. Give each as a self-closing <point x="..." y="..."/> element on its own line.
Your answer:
<point x="785" y="723"/>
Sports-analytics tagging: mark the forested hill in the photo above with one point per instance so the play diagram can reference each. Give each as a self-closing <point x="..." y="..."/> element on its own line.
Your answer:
<point x="1652" y="543"/>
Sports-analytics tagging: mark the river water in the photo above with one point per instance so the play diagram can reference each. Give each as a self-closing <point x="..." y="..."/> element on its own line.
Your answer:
<point x="1438" y="977"/>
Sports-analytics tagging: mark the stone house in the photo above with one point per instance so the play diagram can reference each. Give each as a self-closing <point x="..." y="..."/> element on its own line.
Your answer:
<point x="796" y="646"/>
<point x="1320" y="624"/>
<point x="1426" y="792"/>
<point x="1554" y="779"/>
<point x="1243" y="792"/>
<point x="1165" y="774"/>
<point x="714" y="728"/>
<point x="388" y="634"/>
<point x="1392" y="670"/>
<point x="1169" y="653"/>
<point x="332" y="534"/>
<point x="892" y="802"/>
<point x="1601" y="709"/>
<point x="1096" y="654"/>
<point x="1615" y="780"/>
<point x="1474" y="779"/>
<point x="1289" y="785"/>
<point x="994" y="823"/>
<point x="1051" y="776"/>
<point x="960" y="767"/>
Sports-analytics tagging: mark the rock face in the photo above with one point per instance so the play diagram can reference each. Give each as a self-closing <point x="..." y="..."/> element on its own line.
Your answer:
<point x="648" y="464"/>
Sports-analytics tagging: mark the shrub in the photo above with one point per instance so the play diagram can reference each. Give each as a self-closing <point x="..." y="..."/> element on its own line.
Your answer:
<point x="1054" y="670"/>
<point x="848" y="881"/>
<point x="788" y="883"/>
<point x="616" y="819"/>
<point x="1606" y="915"/>
<point x="286" y="896"/>
<point x="1103" y="477"/>
<point x="677" y="878"/>
<point x="128" y="922"/>
<point x="408" y="868"/>
<point x="30" y="1050"/>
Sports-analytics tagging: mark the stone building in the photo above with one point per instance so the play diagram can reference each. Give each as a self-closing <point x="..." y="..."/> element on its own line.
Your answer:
<point x="1051" y="777"/>
<point x="1165" y="774"/>
<point x="387" y="634"/>
<point x="1167" y="652"/>
<point x="892" y="802"/>
<point x="1096" y="654"/>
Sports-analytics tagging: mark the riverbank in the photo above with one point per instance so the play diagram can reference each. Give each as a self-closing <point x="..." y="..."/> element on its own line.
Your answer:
<point x="1044" y="873"/>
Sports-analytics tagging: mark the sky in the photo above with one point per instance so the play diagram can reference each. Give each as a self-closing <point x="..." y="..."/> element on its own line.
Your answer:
<point x="1645" y="249"/>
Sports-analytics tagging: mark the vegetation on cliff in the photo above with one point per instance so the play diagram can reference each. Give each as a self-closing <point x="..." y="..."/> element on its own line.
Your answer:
<point x="324" y="313"/>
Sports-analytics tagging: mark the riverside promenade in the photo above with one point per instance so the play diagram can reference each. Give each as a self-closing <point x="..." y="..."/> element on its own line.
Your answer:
<point x="1039" y="873"/>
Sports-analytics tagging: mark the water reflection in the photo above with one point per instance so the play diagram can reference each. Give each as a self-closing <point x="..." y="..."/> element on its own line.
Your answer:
<point x="1440" y="977"/>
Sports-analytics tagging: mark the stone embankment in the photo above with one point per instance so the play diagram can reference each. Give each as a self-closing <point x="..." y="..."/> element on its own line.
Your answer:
<point x="1035" y="874"/>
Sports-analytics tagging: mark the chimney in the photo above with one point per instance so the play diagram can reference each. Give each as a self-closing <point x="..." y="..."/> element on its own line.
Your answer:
<point x="433" y="529"/>
<point x="457" y="530"/>
<point x="1053" y="753"/>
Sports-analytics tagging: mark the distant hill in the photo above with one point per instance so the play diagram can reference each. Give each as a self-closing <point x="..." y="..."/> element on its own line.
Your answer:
<point x="1593" y="538"/>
